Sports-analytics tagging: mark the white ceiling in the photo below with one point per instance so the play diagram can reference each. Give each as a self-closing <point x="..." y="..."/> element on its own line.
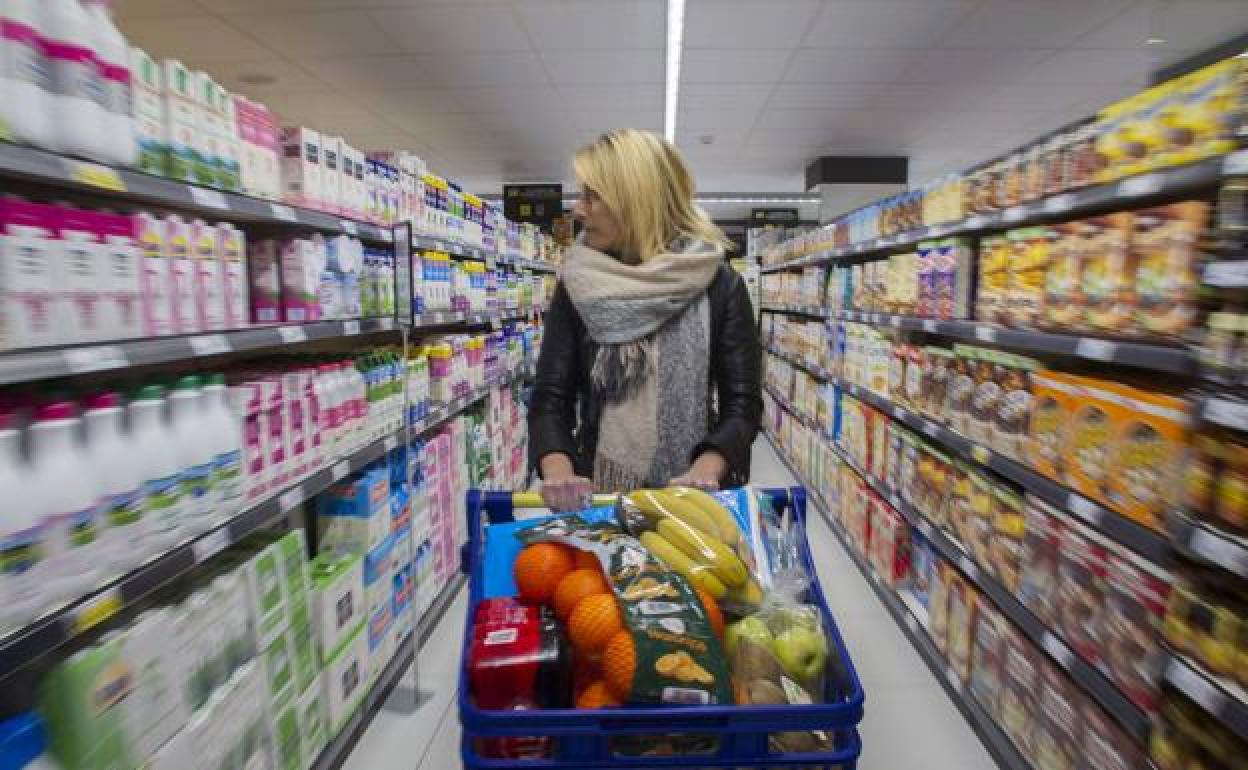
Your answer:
<point x="504" y="90"/>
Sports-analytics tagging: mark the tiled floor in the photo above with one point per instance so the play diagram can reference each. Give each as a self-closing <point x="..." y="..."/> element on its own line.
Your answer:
<point x="909" y="724"/>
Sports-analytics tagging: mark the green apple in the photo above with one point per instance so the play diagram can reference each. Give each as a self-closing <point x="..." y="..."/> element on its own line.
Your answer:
<point x="803" y="652"/>
<point x="803" y="615"/>
<point x="752" y="628"/>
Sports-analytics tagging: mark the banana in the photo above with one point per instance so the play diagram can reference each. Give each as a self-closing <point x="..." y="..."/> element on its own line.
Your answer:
<point x="729" y="532"/>
<point x="698" y="575"/>
<point x="725" y="564"/>
<point x="750" y="593"/>
<point x="656" y="505"/>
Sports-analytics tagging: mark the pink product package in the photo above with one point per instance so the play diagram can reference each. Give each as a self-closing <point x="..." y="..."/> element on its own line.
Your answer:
<point x="301" y="275"/>
<point x="255" y="433"/>
<point x="122" y="308"/>
<point x="274" y="405"/>
<point x="27" y="279"/>
<point x="233" y="247"/>
<point x="264" y="272"/>
<point x="156" y="282"/>
<point x="179" y="248"/>
<point x="209" y="276"/>
<point x="82" y="274"/>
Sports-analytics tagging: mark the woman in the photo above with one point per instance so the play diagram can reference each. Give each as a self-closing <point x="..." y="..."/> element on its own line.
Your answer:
<point x="647" y="320"/>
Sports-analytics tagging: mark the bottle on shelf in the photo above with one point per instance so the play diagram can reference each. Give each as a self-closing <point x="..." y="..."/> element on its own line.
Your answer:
<point x="21" y="533"/>
<point x="224" y="433"/>
<point x="26" y="106"/>
<point x="113" y="58"/>
<point x="194" y="452"/>
<point x="65" y="494"/>
<point x="155" y="452"/>
<point x="122" y="526"/>
<point x="77" y="89"/>
<point x="24" y="744"/>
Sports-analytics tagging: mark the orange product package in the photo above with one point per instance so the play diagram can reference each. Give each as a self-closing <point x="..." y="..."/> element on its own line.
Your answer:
<point x="1150" y="437"/>
<point x="1091" y="436"/>
<point x="1055" y="396"/>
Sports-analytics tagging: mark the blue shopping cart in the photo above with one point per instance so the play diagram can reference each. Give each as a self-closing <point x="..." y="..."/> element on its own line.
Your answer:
<point x="736" y="736"/>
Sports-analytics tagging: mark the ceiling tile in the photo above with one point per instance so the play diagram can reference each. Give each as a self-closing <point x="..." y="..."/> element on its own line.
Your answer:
<point x="368" y="72"/>
<point x="1183" y="24"/>
<point x="600" y="121"/>
<point x="731" y="65"/>
<point x="807" y="137"/>
<point x="1040" y="98"/>
<point x="1031" y="24"/>
<point x="833" y="65"/>
<point x="517" y="100"/>
<point x="589" y="67"/>
<point x="723" y="96"/>
<point x="156" y="9"/>
<point x="876" y="24"/>
<point x="410" y="101"/>
<point x="724" y="139"/>
<point x="461" y="27"/>
<point x="612" y="97"/>
<point x="317" y="33"/>
<point x="930" y="97"/>
<point x="972" y="65"/>
<point x="1076" y="66"/>
<point x="455" y="70"/>
<point x="703" y="121"/>
<point x="748" y="24"/>
<point x="590" y="25"/>
<point x="312" y="106"/>
<point x="805" y="96"/>
<point x="361" y="123"/>
<point x="194" y="39"/>
<point x="288" y="78"/>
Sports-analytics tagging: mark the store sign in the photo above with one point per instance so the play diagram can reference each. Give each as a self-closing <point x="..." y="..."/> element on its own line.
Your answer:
<point x="538" y="204"/>
<point x="774" y="216"/>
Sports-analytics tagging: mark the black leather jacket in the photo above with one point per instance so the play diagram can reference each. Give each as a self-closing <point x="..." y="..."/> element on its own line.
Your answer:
<point x="560" y="418"/>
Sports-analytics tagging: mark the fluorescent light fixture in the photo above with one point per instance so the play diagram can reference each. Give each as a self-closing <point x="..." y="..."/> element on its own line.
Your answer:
<point x="675" y="42"/>
<point x="731" y="200"/>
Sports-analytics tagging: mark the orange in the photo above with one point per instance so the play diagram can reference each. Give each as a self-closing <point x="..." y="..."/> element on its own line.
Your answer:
<point x="618" y="663"/>
<point x="596" y="696"/>
<point x="538" y="570"/>
<point x="576" y="585"/>
<point x="592" y="623"/>
<point x="586" y="560"/>
<point x="712" y="613"/>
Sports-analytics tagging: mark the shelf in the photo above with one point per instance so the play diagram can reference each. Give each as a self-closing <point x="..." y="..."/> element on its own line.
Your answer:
<point x="459" y="248"/>
<point x="46" y="168"/>
<point x="1224" y="701"/>
<point x="1083" y="674"/>
<point x="1210" y="544"/>
<point x="994" y="740"/>
<point x="1140" y="355"/>
<point x="47" y="363"/>
<point x="1151" y="544"/>
<point x="341" y="745"/>
<point x="57" y="627"/>
<point x="1224" y="410"/>
<point x="1126" y="193"/>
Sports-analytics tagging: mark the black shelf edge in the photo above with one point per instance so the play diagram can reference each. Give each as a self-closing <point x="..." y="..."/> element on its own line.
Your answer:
<point x="984" y="726"/>
<point x="1148" y="543"/>
<point x="47" y="363"/>
<point x="459" y="248"/>
<point x="47" y="168"/>
<point x="1210" y="544"/>
<point x="59" y="626"/>
<point x="1129" y="192"/>
<point x="1133" y="353"/>
<point x="1224" y="703"/>
<point x="1086" y="676"/>
<point x="335" y="754"/>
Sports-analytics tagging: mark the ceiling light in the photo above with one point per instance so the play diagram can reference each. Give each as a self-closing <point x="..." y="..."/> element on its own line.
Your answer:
<point x="1155" y="41"/>
<point x="675" y="41"/>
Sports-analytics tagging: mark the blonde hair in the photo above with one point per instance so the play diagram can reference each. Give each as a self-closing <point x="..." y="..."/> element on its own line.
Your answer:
<point x="643" y="180"/>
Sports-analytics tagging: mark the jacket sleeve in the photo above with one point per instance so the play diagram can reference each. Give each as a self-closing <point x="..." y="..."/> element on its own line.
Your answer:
<point x="552" y="408"/>
<point x="736" y="367"/>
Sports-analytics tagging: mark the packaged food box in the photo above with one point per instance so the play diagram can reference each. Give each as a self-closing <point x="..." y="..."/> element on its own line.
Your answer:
<point x="1037" y="588"/>
<point x="519" y="662"/>
<point x="1019" y="682"/>
<point x="985" y="395"/>
<point x="1054" y="397"/>
<point x="1107" y="281"/>
<point x="1105" y="746"/>
<point x="1148" y="443"/>
<point x="1057" y="731"/>
<point x="1030" y="250"/>
<point x="1082" y="568"/>
<point x="1091" y="438"/>
<point x="1006" y="545"/>
<point x="963" y="600"/>
<point x="1134" y="610"/>
<point x="1165" y="250"/>
<point x="938" y="605"/>
<point x="1063" y="281"/>
<point x="986" y="657"/>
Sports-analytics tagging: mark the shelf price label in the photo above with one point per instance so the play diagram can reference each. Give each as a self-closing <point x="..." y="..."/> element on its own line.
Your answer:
<point x="390" y="443"/>
<point x="1136" y="186"/>
<point x="209" y="199"/>
<point x="1084" y="509"/>
<point x="96" y="610"/>
<point x="349" y="227"/>
<point x="1195" y="686"/>
<point x="209" y="344"/>
<point x="981" y="454"/>
<point x="1014" y="214"/>
<point x="1059" y="203"/>
<point x="211" y="544"/>
<point x="290" y="498"/>
<point x="340" y="470"/>
<point x="985" y="333"/>
<point x="1228" y="274"/>
<point x="1058" y="650"/>
<point x="1220" y="550"/>
<point x="968" y="567"/>
<point x="955" y="681"/>
<point x="95" y="175"/>
<point x="1232" y="414"/>
<point x="284" y="213"/>
<point x="1096" y="350"/>
<point x="292" y="334"/>
<point x="930" y="428"/>
<point x="96" y="358"/>
<point x="350" y="328"/>
<point x="930" y="327"/>
<point x="1236" y="163"/>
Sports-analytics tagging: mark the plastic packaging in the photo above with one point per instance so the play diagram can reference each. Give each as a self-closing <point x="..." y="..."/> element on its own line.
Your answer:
<point x="77" y="89"/>
<point x="110" y="453"/>
<point x="118" y="142"/>
<point x="23" y="744"/>
<point x="156" y="455"/>
<point x="224" y="433"/>
<point x="196" y="457"/>
<point x="21" y="592"/>
<point x="26" y="106"/>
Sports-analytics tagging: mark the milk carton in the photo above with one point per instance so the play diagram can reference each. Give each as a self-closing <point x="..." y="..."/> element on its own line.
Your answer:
<point x="149" y="112"/>
<point x="302" y="166"/>
<point x="27" y="276"/>
<point x="331" y="174"/>
<point x="208" y="136"/>
<point x="264" y="270"/>
<point x="156" y="281"/>
<point x="271" y="143"/>
<point x="81" y="276"/>
<point x="209" y="281"/>
<point x="247" y="128"/>
<point x="231" y="172"/>
<point x="181" y="122"/>
<point x="232" y="245"/>
<point x="121" y="311"/>
<point x="302" y="263"/>
<point x="178" y="248"/>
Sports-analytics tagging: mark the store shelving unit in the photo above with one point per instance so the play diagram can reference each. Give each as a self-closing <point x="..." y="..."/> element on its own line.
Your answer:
<point x="459" y="248"/>
<point x="49" y="169"/>
<point x="914" y="627"/>
<point x="1139" y="355"/>
<point x="1225" y="702"/>
<point x="60" y="626"/>
<point x="1134" y="190"/>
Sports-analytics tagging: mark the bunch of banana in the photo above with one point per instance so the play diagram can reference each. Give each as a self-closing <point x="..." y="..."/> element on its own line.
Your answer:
<point x="692" y="540"/>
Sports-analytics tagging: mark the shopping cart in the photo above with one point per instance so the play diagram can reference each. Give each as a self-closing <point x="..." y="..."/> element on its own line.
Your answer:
<point x="587" y="738"/>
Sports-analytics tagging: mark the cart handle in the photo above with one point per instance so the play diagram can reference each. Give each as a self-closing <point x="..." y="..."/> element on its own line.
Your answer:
<point x="534" y="500"/>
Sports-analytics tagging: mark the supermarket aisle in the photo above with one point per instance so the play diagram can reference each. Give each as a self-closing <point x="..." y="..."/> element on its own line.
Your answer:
<point x="909" y="721"/>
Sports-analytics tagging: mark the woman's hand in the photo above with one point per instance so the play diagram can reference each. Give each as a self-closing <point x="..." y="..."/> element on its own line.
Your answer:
<point x="705" y="473"/>
<point x="562" y="489"/>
